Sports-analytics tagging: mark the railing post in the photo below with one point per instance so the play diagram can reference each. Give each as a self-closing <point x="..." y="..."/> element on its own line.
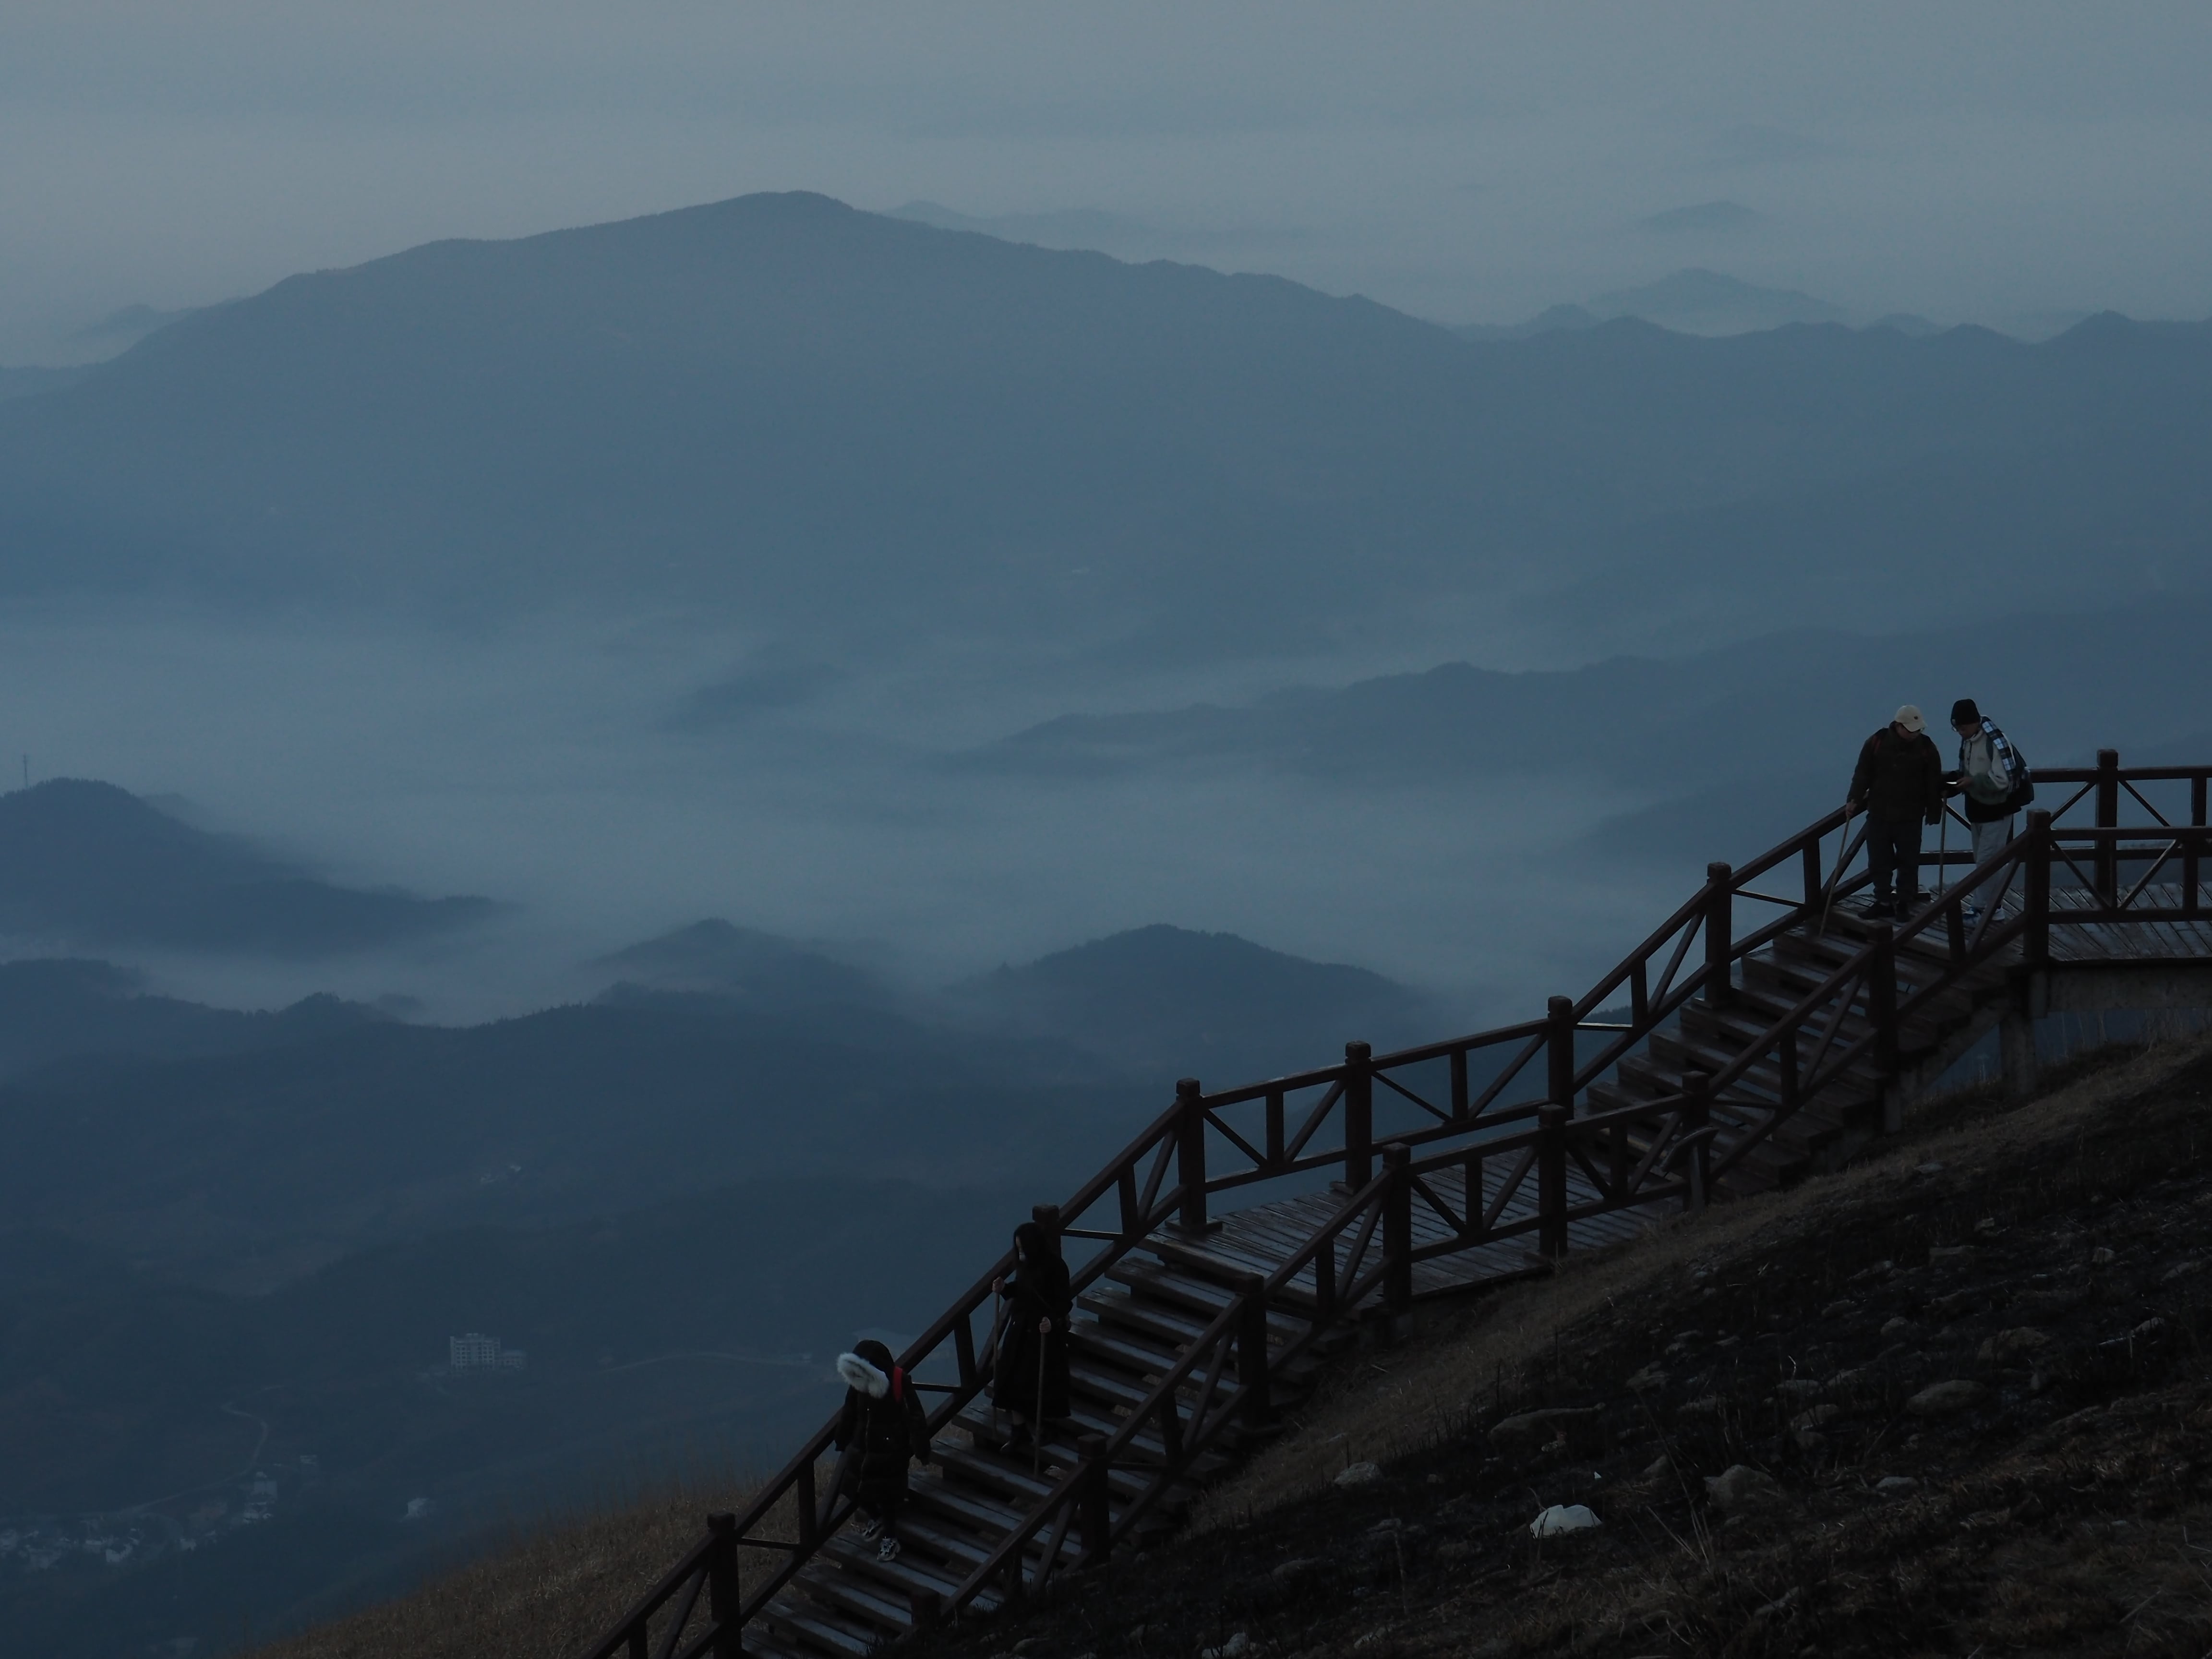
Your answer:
<point x="1559" y="1053"/>
<point x="1258" y="1411"/>
<point x="1398" y="1232"/>
<point x="963" y="1352"/>
<point x="1552" y="1179"/>
<point x="1274" y="1127"/>
<point x="2108" y="817"/>
<point x="1093" y="1513"/>
<point x="1358" y="1115"/>
<point x="1696" y="1118"/>
<point x="1190" y="1154"/>
<point x="2017" y="1063"/>
<point x="1459" y="1082"/>
<point x="722" y="1600"/>
<point x="810" y="1512"/>
<point x="2035" y="899"/>
<point x="1882" y="1013"/>
<point x="927" y="1608"/>
<point x="2192" y="856"/>
<point x="1813" y="882"/>
<point x="1720" y="935"/>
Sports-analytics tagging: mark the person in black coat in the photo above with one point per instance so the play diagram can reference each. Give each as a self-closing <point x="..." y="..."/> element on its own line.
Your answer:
<point x="1899" y="785"/>
<point x="883" y="1421"/>
<point x="1032" y="1364"/>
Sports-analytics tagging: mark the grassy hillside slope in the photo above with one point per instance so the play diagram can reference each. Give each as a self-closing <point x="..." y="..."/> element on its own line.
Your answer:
<point x="2049" y="1506"/>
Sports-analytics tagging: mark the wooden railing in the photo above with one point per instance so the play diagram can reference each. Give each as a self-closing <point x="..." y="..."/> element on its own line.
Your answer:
<point x="1504" y="1098"/>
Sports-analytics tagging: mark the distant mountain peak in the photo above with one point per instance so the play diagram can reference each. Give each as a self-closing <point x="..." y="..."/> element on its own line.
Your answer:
<point x="1698" y="300"/>
<point x="763" y="971"/>
<point x="1169" y="1000"/>
<point x="88" y="862"/>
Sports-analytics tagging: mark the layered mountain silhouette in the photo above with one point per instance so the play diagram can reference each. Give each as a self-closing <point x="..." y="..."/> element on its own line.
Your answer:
<point x="1167" y="1001"/>
<point x="760" y="970"/>
<point x="1699" y="302"/>
<point x="1738" y="746"/>
<point x="858" y="424"/>
<point x="87" y="863"/>
<point x="52" y="1010"/>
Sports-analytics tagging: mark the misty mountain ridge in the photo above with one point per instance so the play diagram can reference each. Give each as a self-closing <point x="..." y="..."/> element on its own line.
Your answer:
<point x="88" y="863"/>
<point x="867" y="428"/>
<point x="1091" y="229"/>
<point x="130" y="324"/>
<point x="1772" y="706"/>
<point x="1691" y="301"/>
<point x="761" y="970"/>
<point x="1699" y="302"/>
<point x="1168" y="1002"/>
<point x="54" y="1010"/>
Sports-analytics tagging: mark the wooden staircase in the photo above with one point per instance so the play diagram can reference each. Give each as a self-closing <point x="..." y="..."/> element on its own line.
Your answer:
<point x="1713" y="1033"/>
<point x="1130" y="1330"/>
<point x="1727" y="1061"/>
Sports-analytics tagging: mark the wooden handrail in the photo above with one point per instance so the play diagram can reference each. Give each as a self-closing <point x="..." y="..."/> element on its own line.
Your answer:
<point x="1490" y="1125"/>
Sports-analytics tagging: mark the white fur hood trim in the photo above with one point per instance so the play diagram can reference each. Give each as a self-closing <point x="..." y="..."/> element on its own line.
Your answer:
<point x="859" y="1374"/>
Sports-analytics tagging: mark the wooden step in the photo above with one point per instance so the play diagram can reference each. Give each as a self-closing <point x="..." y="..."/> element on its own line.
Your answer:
<point x="849" y="1595"/>
<point x="1144" y="1445"/>
<point x="813" y="1626"/>
<point x="986" y="1518"/>
<point x="1122" y="1349"/>
<point x="916" y="1570"/>
<point x="1179" y="1320"/>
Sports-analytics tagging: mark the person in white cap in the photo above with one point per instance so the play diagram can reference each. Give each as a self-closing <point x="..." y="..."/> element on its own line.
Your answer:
<point x="1899" y="785"/>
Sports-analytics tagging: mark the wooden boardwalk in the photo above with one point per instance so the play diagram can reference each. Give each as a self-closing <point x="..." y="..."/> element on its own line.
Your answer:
<point x="2133" y="941"/>
<point x="1259" y="1239"/>
<point x="1730" y="1061"/>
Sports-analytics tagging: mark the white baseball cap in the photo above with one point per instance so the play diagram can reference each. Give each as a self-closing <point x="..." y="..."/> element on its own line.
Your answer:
<point x="1911" y="719"/>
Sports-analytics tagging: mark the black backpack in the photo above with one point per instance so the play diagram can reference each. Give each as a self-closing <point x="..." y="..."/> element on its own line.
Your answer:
<point x="2023" y="782"/>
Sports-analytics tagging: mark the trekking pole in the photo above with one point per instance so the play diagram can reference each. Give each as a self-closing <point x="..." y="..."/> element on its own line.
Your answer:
<point x="1843" y="846"/>
<point x="998" y="1333"/>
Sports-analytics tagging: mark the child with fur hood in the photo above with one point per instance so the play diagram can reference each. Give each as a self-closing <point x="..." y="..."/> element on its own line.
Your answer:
<point x="883" y="1421"/>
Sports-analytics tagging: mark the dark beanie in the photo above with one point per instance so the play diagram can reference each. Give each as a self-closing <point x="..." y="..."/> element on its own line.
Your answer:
<point x="1964" y="709"/>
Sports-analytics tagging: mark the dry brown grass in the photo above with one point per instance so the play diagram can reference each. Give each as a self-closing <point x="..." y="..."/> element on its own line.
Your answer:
<point x="550" y="1594"/>
<point x="1423" y="1393"/>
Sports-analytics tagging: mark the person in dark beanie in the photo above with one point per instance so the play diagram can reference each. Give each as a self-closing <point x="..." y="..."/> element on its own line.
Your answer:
<point x="1029" y="1382"/>
<point x="883" y="1421"/>
<point x="1899" y="785"/>
<point x="1992" y="777"/>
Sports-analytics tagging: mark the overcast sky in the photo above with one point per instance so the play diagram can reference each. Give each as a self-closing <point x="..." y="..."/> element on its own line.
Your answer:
<point x="1466" y="162"/>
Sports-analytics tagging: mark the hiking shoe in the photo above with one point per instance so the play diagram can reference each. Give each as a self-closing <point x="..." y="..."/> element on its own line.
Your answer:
<point x="888" y="1550"/>
<point x="1880" y="910"/>
<point x="874" y="1529"/>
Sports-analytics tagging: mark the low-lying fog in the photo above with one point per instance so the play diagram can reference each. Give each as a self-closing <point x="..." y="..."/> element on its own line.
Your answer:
<point x="610" y="781"/>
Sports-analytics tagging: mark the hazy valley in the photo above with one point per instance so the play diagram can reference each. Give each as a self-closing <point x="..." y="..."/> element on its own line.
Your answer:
<point x="646" y="790"/>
